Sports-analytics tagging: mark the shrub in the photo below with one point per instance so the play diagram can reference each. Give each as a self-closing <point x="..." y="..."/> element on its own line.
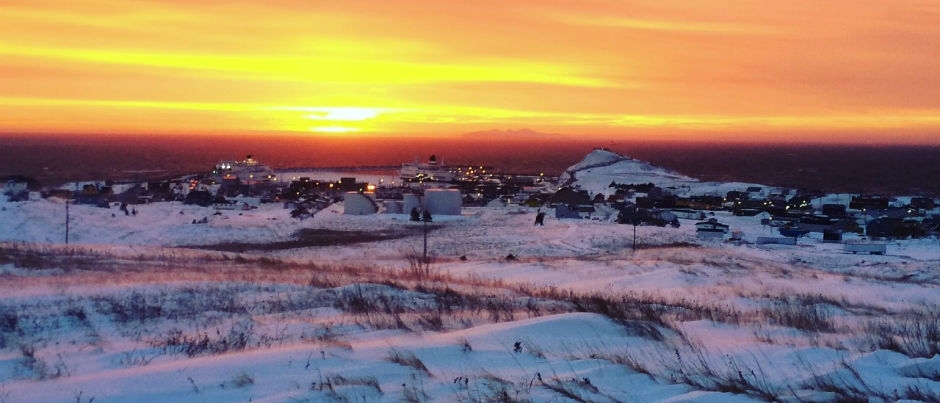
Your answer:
<point x="798" y="313"/>
<point x="914" y="335"/>
<point x="408" y="359"/>
<point x="241" y="380"/>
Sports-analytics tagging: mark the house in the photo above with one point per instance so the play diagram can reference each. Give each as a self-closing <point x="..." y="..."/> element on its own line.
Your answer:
<point x="802" y="202"/>
<point x="633" y="214"/>
<point x="563" y="211"/>
<point x="832" y="236"/>
<point x="16" y="189"/>
<point x="94" y="195"/>
<point x="736" y="195"/>
<point x="783" y="220"/>
<point x="689" y="214"/>
<point x="349" y="184"/>
<point x="629" y="214"/>
<point x="58" y="193"/>
<point x="711" y="228"/>
<point x="770" y="240"/>
<point x="931" y="226"/>
<point x="896" y="228"/>
<point x="868" y="203"/>
<point x="202" y="198"/>
<point x="571" y="197"/>
<point x="700" y="202"/>
<point x="817" y="223"/>
<point x="657" y="200"/>
<point x="755" y="192"/>
<point x="792" y="231"/>
<point x="712" y="224"/>
<point x="664" y="217"/>
<point x="14" y="186"/>
<point x="899" y="212"/>
<point x="604" y="212"/>
<point x="833" y="210"/>
<point x="923" y="203"/>
<point x="870" y="248"/>
<point x="585" y="210"/>
<point x="748" y="208"/>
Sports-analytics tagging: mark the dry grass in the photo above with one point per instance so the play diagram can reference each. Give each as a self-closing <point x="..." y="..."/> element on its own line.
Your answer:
<point x="225" y="296"/>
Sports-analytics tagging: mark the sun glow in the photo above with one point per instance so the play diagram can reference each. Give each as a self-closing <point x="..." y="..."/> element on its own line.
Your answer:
<point x="350" y="114"/>
<point x="610" y="68"/>
<point x="338" y="119"/>
<point x="333" y="129"/>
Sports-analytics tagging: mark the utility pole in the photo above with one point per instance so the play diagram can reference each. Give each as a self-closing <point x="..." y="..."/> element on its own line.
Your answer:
<point x="425" y="254"/>
<point x="426" y="217"/>
<point x="66" y="222"/>
<point x="634" y="234"/>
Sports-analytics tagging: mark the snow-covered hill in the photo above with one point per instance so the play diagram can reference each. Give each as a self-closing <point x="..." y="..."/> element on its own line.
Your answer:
<point x="601" y="167"/>
<point x="605" y="162"/>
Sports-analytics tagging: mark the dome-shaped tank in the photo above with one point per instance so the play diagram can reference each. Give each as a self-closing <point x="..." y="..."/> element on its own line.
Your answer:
<point x="443" y="201"/>
<point x="410" y="201"/>
<point x="393" y="207"/>
<point x="355" y="203"/>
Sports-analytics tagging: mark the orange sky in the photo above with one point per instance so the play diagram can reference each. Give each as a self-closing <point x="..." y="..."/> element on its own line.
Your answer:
<point x="831" y="71"/>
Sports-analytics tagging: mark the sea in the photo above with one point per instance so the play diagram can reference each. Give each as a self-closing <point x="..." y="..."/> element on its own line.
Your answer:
<point x="890" y="170"/>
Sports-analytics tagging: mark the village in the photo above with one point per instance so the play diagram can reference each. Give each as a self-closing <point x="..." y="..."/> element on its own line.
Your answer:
<point x="437" y="189"/>
<point x="244" y="282"/>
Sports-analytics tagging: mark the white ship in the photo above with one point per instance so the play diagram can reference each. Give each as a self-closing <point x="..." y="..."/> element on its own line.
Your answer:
<point x="248" y="171"/>
<point x="430" y="171"/>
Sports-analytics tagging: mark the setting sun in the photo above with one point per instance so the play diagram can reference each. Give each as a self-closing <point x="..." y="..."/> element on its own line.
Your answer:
<point x="631" y="69"/>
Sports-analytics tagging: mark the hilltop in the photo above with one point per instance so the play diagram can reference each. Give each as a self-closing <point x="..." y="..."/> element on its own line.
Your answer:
<point x="601" y="167"/>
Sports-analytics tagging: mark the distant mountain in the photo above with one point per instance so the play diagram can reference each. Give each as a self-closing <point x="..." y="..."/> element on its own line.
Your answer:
<point x="509" y="134"/>
<point x="600" y="167"/>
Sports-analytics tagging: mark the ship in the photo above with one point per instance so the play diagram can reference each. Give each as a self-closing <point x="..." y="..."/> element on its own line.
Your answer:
<point x="430" y="171"/>
<point x="248" y="171"/>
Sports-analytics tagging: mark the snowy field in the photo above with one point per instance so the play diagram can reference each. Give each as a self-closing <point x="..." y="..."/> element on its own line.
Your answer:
<point x="153" y="308"/>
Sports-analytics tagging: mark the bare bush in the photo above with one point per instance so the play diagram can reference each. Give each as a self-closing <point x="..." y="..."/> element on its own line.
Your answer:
<point x="237" y="338"/>
<point x="136" y="359"/>
<point x="578" y="390"/>
<point x="497" y="390"/>
<point x="408" y="359"/>
<point x="241" y="380"/>
<point x="695" y="367"/>
<point x="914" y="334"/>
<point x="801" y="313"/>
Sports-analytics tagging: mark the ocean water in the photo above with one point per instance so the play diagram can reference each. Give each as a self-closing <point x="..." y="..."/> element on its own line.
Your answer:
<point x="888" y="170"/>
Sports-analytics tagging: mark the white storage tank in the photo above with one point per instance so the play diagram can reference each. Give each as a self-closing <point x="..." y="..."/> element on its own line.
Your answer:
<point x="393" y="207"/>
<point x="410" y="201"/>
<point x="496" y="203"/>
<point x="355" y="203"/>
<point x="443" y="201"/>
